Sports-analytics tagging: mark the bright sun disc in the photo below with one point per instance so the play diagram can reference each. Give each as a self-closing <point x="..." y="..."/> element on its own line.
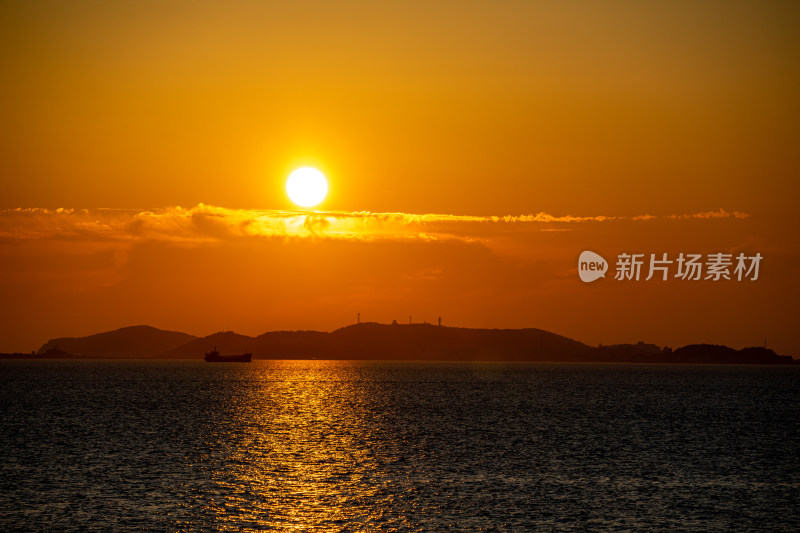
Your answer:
<point x="306" y="186"/>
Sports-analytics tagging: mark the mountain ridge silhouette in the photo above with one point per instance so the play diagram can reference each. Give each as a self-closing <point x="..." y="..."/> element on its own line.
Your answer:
<point x="375" y="341"/>
<point x="127" y="342"/>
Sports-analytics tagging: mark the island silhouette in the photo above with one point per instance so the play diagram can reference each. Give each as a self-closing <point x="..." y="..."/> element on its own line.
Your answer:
<point x="375" y="341"/>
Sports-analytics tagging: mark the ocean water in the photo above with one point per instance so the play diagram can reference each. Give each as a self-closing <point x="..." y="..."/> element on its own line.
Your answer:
<point x="378" y="446"/>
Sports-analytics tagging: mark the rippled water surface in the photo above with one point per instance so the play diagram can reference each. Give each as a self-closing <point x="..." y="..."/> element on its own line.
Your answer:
<point x="373" y="446"/>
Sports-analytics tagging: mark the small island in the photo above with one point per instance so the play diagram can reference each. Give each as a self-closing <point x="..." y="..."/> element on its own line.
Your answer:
<point x="49" y="353"/>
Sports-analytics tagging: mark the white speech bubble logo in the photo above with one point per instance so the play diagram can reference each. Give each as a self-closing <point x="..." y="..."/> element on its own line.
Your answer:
<point x="591" y="266"/>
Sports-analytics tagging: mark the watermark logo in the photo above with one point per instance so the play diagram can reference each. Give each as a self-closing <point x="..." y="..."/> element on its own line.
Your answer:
<point x="591" y="266"/>
<point x="685" y="266"/>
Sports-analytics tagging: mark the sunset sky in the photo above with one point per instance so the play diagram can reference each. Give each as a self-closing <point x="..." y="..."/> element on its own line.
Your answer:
<point x="472" y="149"/>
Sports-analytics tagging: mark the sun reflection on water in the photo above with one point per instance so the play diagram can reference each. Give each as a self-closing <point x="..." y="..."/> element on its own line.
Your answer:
<point x="292" y="450"/>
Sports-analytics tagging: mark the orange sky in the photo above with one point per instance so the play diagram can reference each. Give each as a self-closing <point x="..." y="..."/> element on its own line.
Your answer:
<point x="120" y="112"/>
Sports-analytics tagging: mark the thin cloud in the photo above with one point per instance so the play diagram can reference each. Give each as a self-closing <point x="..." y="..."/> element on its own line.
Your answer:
<point x="720" y="213"/>
<point x="205" y="223"/>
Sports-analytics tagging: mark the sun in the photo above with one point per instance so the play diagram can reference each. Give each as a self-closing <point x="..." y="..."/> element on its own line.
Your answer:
<point x="307" y="186"/>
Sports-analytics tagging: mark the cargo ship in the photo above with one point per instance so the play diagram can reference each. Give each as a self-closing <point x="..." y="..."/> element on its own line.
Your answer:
<point x="215" y="357"/>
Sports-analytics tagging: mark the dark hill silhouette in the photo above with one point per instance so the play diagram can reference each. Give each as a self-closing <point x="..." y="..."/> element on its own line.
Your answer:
<point x="426" y="341"/>
<point x="227" y="342"/>
<point x="401" y="342"/>
<point x="691" y="354"/>
<point x="310" y="343"/>
<point x="133" y="341"/>
<point x="298" y="344"/>
<point x="710" y="353"/>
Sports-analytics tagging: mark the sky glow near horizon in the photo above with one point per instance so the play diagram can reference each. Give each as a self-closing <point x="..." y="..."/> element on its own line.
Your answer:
<point x="472" y="152"/>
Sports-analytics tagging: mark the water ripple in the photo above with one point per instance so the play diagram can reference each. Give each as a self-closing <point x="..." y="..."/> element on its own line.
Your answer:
<point x="367" y="446"/>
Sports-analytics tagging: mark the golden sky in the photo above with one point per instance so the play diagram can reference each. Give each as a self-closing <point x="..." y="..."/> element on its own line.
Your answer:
<point x="473" y="150"/>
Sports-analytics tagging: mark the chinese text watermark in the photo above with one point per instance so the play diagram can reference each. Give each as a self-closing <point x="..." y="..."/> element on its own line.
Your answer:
<point x="685" y="266"/>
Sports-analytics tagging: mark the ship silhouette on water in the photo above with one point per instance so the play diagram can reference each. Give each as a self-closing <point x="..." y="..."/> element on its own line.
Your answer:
<point x="215" y="357"/>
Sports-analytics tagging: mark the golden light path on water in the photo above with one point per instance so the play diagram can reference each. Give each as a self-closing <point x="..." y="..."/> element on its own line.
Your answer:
<point x="300" y="454"/>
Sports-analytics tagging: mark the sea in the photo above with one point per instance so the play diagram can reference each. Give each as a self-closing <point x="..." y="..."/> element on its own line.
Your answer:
<point x="397" y="446"/>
